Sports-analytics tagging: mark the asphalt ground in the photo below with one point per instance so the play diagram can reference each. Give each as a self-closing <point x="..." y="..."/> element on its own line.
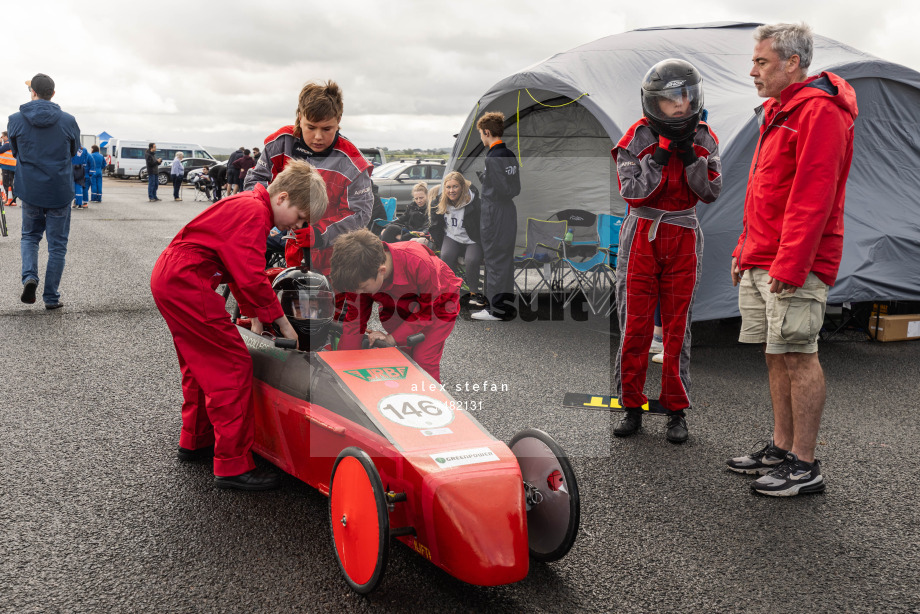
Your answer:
<point x="98" y="515"/>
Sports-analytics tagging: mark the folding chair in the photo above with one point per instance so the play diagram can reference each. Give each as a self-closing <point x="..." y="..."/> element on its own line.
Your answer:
<point x="389" y="204"/>
<point x="592" y="276"/>
<point x="608" y="233"/>
<point x="582" y="225"/>
<point x="541" y="253"/>
<point x="201" y="191"/>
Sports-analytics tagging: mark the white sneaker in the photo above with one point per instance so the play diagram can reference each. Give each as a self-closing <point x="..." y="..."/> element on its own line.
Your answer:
<point x="485" y="315"/>
<point x="656" y="348"/>
<point x="659" y="358"/>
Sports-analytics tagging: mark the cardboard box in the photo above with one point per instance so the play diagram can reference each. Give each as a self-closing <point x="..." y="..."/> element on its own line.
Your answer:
<point x="895" y="328"/>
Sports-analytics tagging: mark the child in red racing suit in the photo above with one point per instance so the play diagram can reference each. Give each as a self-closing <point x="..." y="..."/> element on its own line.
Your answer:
<point x="315" y="138"/>
<point x="224" y="243"/>
<point x="417" y="292"/>
<point x="666" y="162"/>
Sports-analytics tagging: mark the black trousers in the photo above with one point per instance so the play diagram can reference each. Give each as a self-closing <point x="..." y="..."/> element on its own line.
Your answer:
<point x="498" y="227"/>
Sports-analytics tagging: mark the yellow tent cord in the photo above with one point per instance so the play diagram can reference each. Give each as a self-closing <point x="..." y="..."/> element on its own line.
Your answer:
<point x="517" y="128"/>
<point x="470" y="133"/>
<point x="552" y="106"/>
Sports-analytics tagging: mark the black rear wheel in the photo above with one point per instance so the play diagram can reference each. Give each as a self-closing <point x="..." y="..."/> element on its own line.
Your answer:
<point x="551" y="494"/>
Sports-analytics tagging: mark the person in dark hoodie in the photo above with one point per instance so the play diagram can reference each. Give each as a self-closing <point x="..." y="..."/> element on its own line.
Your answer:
<point x="790" y="247"/>
<point x="414" y="218"/>
<point x="44" y="140"/>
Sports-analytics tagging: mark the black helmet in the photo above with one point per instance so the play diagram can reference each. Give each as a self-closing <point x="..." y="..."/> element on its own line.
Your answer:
<point x="672" y="98"/>
<point x="309" y="304"/>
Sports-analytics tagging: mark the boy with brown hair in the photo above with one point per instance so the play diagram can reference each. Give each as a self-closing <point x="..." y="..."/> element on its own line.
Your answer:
<point x="226" y="242"/>
<point x="314" y="137"/>
<point x="501" y="182"/>
<point x="417" y="292"/>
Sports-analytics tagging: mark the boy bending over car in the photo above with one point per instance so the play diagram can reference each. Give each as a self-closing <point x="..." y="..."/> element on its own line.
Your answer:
<point x="224" y="243"/>
<point x="417" y="292"/>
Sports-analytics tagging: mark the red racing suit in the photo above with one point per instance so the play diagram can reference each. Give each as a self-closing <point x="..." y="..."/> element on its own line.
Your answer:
<point x="347" y="175"/>
<point x="422" y="296"/>
<point x="225" y="242"/>
<point x="793" y="208"/>
<point x="660" y="258"/>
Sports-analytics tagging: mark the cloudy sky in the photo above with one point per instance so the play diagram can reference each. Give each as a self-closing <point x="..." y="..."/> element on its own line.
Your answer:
<point x="228" y="73"/>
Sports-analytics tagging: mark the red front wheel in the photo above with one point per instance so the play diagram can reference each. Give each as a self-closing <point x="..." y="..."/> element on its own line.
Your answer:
<point x="359" y="519"/>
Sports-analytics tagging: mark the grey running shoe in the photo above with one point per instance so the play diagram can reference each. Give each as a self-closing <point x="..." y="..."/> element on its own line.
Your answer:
<point x="790" y="478"/>
<point x="761" y="462"/>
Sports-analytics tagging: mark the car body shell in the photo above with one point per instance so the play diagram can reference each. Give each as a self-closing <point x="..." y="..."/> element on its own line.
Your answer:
<point x="464" y="495"/>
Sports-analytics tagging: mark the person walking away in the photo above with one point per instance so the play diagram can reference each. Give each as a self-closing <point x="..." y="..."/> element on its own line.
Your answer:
<point x="240" y="167"/>
<point x="99" y="165"/>
<point x="791" y="242"/>
<point x="501" y="182"/>
<point x="44" y="140"/>
<point x="8" y="168"/>
<point x="153" y="178"/>
<point x="80" y="173"/>
<point x="176" y="173"/>
<point x="232" y="185"/>
<point x="667" y="162"/>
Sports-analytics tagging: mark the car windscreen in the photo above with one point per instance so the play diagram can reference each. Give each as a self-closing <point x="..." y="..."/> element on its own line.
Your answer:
<point x="384" y="172"/>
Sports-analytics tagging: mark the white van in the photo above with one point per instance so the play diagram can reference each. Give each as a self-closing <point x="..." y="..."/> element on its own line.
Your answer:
<point x="128" y="156"/>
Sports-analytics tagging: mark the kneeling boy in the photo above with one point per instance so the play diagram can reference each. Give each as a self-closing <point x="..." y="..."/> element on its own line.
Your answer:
<point x="417" y="292"/>
<point x="224" y="243"/>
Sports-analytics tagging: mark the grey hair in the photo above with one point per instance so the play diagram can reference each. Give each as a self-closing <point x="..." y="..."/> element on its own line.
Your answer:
<point x="789" y="39"/>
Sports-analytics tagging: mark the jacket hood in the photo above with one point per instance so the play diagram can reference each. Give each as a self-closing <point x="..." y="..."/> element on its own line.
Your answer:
<point x="41" y="113"/>
<point x="825" y="85"/>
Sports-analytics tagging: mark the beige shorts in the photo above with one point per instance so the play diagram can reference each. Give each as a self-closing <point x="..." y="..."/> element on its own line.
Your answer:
<point x="786" y="322"/>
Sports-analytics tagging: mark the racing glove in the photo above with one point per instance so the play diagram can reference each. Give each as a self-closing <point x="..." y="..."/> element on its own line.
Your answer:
<point x="686" y="152"/>
<point x="663" y="153"/>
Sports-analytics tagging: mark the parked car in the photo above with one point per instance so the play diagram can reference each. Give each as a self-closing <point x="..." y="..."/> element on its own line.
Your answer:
<point x="396" y="179"/>
<point x="374" y="155"/>
<point x="189" y="164"/>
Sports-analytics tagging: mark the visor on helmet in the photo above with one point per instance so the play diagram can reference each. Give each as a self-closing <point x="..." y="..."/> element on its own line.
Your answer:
<point x="307" y="306"/>
<point x="673" y="105"/>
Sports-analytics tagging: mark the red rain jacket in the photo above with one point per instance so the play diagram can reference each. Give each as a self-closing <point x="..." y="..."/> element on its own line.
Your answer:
<point x="793" y="209"/>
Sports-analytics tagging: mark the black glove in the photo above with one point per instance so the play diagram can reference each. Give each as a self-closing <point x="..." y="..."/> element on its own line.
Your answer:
<point x="481" y="175"/>
<point x="685" y="152"/>
<point x="661" y="156"/>
<point x="319" y="240"/>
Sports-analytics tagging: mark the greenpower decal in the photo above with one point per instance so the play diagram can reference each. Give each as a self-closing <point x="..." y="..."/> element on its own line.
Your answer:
<point x="380" y="374"/>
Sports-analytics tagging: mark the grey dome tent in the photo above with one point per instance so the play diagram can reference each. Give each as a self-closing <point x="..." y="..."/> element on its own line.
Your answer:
<point x="564" y="114"/>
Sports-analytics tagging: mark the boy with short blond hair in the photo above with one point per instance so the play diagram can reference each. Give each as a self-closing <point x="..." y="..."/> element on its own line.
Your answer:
<point x="414" y="219"/>
<point x="226" y="242"/>
<point x="417" y="292"/>
<point x="315" y="138"/>
<point x="501" y="182"/>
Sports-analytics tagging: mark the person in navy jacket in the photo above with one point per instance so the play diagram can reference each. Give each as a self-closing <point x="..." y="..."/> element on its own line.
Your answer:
<point x="44" y="140"/>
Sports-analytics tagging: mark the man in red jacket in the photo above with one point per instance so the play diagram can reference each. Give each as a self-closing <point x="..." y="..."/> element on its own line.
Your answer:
<point x="789" y="251"/>
<point x="224" y="243"/>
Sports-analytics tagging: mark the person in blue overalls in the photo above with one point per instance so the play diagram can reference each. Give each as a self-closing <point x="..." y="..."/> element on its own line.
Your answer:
<point x="81" y="164"/>
<point x="95" y="175"/>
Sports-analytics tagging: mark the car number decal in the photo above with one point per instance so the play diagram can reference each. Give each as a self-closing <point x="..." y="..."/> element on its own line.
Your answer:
<point x="415" y="411"/>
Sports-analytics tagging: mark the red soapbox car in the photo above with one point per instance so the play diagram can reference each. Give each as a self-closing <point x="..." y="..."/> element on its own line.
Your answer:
<point x="399" y="458"/>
